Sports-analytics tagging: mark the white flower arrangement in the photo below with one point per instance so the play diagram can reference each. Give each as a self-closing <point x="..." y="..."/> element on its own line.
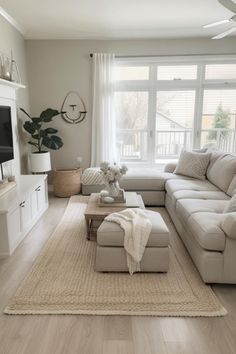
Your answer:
<point x="112" y="173"/>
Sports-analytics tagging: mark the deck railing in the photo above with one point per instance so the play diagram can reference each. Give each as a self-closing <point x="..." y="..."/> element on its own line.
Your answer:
<point x="220" y="138"/>
<point x="133" y="144"/>
<point x="169" y="143"/>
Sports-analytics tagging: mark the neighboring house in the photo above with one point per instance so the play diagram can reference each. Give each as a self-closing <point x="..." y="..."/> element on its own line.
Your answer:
<point x="163" y="122"/>
<point x="171" y="136"/>
<point x="134" y="146"/>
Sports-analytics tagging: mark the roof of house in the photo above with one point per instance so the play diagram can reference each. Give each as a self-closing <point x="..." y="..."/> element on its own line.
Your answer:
<point x="170" y="120"/>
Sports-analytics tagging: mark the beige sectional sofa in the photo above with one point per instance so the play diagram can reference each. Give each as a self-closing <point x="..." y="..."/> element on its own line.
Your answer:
<point x="197" y="210"/>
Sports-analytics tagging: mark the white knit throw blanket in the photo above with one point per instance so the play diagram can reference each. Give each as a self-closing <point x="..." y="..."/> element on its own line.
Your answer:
<point x="137" y="228"/>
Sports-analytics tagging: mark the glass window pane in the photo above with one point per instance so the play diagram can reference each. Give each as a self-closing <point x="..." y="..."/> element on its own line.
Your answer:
<point x="219" y="119"/>
<point x="220" y="71"/>
<point x="131" y="73"/>
<point x="131" y="110"/>
<point x="177" y="72"/>
<point x="174" y="122"/>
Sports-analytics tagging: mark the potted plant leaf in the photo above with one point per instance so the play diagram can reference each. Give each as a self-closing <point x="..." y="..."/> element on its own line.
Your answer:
<point x="42" y="137"/>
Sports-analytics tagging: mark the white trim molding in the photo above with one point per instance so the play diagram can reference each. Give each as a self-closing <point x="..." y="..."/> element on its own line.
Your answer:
<point x="12" y="84"/>
<point x="176" y="59"/>
<point x="12" y="21"/>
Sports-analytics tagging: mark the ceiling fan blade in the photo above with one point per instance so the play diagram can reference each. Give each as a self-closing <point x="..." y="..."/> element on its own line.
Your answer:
<point x="229" y="4"/>
<point x="224" y="34"/>
<point x="213" y="24"/>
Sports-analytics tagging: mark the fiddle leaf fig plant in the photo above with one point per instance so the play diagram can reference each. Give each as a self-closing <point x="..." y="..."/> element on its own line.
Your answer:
<point x="42" y="136"/>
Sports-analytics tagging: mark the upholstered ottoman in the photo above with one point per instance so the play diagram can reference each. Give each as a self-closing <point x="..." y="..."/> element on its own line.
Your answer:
<point x="110" y="253"/>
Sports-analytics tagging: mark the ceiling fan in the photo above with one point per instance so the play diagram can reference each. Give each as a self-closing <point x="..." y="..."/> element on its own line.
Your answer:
<point x="230" y="5"/>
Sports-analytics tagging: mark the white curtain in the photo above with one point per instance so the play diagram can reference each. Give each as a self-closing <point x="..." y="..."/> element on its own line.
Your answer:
<point x="103" y="118"/>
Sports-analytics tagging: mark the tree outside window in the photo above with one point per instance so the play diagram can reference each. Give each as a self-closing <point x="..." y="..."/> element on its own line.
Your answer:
<point x="221" y="121"/>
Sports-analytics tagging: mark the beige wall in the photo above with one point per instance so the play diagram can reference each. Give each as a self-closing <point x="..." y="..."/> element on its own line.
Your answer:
<point x="11" y="39"/>
<point x="58" y="66"/>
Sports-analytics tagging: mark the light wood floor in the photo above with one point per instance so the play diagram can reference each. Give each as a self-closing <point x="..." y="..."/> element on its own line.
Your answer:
<point x="49" y="334"/>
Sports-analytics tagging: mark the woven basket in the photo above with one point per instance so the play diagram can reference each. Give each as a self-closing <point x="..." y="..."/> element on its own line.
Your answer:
<point x="66" y="182"/>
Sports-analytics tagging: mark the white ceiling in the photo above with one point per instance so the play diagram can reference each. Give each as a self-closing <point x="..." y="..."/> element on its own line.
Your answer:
<point x="104" y="19"/>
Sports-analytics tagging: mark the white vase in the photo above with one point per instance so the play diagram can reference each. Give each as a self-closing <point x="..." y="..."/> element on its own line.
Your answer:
<point x="113" y="189"/>
<point x="40" y="161"/>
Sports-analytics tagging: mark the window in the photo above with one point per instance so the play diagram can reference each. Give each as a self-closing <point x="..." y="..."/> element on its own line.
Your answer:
<point x="219" y="119"/>
<point x="177" y="72"/>
<point x="162" y="107"/>
<point x="132" y="122"/>
<point x="174" y="122"/>
<point x="131" y="73"/>
<point x="221" y="71"/>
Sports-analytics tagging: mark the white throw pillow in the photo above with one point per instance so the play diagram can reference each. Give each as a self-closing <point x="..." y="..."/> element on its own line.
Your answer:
<point x="231" y="205"/>
<point x="193" y="164"/>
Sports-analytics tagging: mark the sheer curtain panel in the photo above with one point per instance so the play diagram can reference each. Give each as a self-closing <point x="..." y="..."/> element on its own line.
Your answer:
<point x="103" y="118"/>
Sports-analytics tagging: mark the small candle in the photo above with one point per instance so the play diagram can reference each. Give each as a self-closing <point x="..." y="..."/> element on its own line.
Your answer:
<point x="109" y="200"/>
<point x="104" y="193"/>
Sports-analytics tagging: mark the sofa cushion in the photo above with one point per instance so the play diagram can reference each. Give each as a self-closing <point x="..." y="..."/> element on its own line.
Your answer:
<point x="231" y="205"/>
<point x="193" y="164"/>
<point x="222" y="171"/>
<point x="232" y="187"/>
<point x="207" y="231"/>
<point x="146" y="180"/>
<point x="205" y="195"/>
<point x="191" y="184"/>
<point x="186" y="207"/>
<point x="229" y="225"/>
<point x="170" y="167"/>
<point x="111" y="234"/>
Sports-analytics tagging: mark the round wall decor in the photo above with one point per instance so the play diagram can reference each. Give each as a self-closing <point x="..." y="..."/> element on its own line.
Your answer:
<point x="73" y="108"/>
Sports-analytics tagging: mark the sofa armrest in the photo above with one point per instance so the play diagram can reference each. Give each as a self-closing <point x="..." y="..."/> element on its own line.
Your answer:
<point x="229" y="225"/>
<point x="170" y="167"/>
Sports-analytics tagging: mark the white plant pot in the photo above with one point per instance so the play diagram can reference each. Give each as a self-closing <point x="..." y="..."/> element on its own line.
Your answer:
<point x="40" y="162"/>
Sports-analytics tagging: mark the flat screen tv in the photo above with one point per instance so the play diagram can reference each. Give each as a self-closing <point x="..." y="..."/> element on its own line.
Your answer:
<point x="6" y="139"/>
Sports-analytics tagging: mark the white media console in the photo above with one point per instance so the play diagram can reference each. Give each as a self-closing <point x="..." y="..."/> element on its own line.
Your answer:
<point x="20" y="209"/>
<point x="21" y="206"/>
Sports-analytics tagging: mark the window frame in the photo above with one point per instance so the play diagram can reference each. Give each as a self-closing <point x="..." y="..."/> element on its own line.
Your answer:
<point x="153" y="85"/>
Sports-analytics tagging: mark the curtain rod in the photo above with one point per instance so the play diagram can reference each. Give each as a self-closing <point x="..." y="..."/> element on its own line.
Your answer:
<point x="168" y="55"/>
<point x="118" y="56"/>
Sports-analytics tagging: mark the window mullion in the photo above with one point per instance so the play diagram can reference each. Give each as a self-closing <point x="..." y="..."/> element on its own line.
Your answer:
<point x="152" y="113"/>
<point x="198" y="107"/>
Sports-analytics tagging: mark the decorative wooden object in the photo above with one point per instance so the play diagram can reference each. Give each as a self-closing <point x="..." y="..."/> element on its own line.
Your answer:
<point x="73" y="108"/>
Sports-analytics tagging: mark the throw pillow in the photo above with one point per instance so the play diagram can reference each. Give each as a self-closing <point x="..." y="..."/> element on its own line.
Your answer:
<point x="202" y="150"/>
<point x="231" y="205"/>
<point x="193" y="164"/>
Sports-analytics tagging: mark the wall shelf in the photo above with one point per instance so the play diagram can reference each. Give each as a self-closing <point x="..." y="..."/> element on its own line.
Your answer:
<point x="11" y="84"/>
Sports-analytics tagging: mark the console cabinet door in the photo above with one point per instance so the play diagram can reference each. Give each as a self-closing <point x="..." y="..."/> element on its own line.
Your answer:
<point x="25" y="213"/>
<point x="34" y="204"/>
<point x="41" y="193"/>
<point x="18" y="216"/>
<point x="14" y="227"/>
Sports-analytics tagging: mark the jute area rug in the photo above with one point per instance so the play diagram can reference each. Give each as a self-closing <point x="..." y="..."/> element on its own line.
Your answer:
<point x="62" y="279"/>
